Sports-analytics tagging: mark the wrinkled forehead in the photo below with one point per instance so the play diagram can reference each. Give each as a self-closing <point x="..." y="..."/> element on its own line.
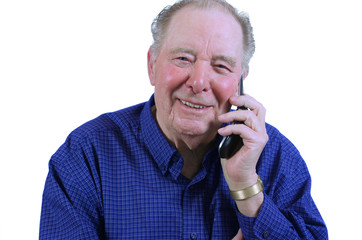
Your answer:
<point x="199" y="7"/>
<point x="214" y="27"/>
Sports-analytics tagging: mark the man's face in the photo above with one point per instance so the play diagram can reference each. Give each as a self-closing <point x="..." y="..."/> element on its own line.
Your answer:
<point x="197" y="70"/>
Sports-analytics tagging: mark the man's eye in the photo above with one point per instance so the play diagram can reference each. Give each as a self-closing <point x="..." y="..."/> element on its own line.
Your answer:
<point x="183" y="58"/>
<point x="220" y="66"/>
<point x="182" y="61"/>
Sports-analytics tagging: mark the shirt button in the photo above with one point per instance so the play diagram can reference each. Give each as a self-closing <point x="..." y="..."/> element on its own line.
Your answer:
<point x="174" y="159"/>
<point x="193" y="236"/>
<point x="266" y="234"/>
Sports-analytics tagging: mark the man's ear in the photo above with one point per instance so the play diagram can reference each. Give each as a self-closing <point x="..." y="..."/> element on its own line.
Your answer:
<point x="151" y="58"/>
<point x="245" y="74"/>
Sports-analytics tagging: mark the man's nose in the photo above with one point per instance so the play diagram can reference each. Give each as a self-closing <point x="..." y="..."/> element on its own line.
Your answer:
<point x="199" y="79"/>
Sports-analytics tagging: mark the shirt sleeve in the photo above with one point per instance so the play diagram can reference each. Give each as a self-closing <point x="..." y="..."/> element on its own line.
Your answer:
<point x="288" y="210"/>
<point x="71" y="207"/>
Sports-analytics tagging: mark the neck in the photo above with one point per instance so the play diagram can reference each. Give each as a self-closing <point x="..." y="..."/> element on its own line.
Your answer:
<point x="192" y="156"/>
<point x="191" y="148"/>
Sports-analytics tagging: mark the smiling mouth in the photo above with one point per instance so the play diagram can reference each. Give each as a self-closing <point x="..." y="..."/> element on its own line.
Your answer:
<point x="192" y="105"/>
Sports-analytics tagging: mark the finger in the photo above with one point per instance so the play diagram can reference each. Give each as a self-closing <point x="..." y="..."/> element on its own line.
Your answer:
<point x="247" y="117"/>
<point x="237" y="129"/>
<point x="249" y="102"/>
<point x="238" y="115"/>
<point x="249" y="136"/>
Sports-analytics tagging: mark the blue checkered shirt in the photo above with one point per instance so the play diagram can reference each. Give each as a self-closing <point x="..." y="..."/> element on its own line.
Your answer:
<point x="117" y="177"/>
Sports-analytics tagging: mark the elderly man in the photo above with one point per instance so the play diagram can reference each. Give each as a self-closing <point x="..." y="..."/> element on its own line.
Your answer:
<point x="153" y="171"/>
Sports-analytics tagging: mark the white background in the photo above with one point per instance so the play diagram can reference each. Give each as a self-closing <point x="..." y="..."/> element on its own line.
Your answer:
<point x="65" y="62"/>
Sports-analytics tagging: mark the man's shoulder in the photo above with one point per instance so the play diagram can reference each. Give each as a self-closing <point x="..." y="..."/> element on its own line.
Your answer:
<point x="279" y="145"/>
<point x="126" y="117"/>
<point x="280" y="152"/>
<point x="99" y="136"/>
<point x="278" y="138"/>
<point x="116" y="122"/>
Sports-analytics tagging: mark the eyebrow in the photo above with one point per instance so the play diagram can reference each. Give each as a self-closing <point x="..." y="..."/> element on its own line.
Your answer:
<point x="182" y="50"/>
<point x="231" y="61"/>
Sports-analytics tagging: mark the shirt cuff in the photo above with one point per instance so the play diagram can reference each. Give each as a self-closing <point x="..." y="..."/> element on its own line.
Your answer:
<point x="270" y="223"/>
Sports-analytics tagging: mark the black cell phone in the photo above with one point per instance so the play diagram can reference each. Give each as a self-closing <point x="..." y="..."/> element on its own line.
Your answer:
<point x="231" y="144"/>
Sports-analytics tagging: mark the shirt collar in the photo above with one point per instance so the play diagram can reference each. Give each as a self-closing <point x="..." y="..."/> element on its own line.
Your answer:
<point x="161" y="150"/>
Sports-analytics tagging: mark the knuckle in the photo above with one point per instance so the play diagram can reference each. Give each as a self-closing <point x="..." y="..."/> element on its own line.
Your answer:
<point x="263" y="139"/>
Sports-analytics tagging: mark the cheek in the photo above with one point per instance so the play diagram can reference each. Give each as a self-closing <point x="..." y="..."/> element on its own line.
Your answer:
<point x="169" y="77"/>
<point x="225" y="89"/>
<point x="167" y="81"/>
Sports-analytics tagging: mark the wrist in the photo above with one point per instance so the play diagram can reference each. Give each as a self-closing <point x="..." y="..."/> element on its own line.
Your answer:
<point x="246" y="181"/>
<point x="247" y="192"/>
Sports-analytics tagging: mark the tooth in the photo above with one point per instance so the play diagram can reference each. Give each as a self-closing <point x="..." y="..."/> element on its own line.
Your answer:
<point x="191" y="105"/>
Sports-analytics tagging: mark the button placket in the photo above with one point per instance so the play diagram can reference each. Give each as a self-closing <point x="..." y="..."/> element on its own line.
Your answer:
<point x="266" y="234"/>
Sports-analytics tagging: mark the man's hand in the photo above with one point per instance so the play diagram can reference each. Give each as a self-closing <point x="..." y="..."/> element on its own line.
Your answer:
<point x="240" y="169"/>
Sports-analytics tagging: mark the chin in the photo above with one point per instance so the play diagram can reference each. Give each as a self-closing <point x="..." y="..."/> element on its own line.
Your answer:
<point x="195" y="129"/>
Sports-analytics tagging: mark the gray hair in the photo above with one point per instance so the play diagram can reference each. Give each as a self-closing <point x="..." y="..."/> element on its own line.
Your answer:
<point x="161" y="22"/>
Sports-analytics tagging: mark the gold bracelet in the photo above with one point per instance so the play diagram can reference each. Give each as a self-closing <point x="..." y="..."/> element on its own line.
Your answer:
<point x="248" y="192"/>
